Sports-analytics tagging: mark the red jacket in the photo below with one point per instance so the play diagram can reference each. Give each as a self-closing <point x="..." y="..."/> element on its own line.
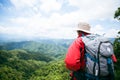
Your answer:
<point x="74" y="59"/>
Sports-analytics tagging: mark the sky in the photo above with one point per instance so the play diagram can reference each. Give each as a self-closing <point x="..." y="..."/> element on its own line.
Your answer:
<point x="33" y="19"/>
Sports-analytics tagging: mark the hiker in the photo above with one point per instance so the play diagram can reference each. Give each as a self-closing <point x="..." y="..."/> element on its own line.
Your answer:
<point x="75" y="57"/>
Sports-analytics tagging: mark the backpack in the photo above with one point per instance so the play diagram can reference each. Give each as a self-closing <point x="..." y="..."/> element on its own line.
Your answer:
<point x="98" y="52"/>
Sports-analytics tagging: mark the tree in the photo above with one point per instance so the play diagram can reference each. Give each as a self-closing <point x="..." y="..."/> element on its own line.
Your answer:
<point x="117" y="40"/>
<point x="7" y="73"/>
<point x="117" y="14"/>
<point x="4" y="56"/>
<point x="117" y="47"/>
<point x="117" y="53"/>
<point x="54" y="70"/>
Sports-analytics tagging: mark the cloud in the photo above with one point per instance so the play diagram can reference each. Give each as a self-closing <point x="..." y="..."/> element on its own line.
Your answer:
<point x="98" y="29"/>
<point x="19" y="20"/>
<point x="44" y="5"/>
<point x="20" y="4"/>
<point x="86" y="9"/>
<point x="93" y="9"/>
<point x="48" y="19"/>
<point x="10" y="30"/>
<point x="101" y="30"/>
<point x="41" y="26"/>
<point x="112" y="33"/>
<point x="49" y="5"/>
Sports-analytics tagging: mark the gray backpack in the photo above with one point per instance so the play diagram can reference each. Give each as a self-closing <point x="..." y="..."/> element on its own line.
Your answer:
<point x="98" y="52"/>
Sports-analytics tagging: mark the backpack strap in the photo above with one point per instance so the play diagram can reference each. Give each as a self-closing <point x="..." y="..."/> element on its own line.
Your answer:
<point x="91" y="57"/>
<point x="110" y="69"/>
<point x="99" y="59"/>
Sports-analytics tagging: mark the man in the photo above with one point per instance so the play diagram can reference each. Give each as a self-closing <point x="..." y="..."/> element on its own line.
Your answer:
<point x="75" y="56"/>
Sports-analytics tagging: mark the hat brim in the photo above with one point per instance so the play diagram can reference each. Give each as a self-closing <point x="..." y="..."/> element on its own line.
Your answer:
<point x="83" y="30"/>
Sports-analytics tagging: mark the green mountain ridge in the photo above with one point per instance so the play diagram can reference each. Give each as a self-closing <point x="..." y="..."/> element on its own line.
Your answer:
<point x="36" y="60"/>
<point x="33" y="60"/>
<point x="54" y="48"/>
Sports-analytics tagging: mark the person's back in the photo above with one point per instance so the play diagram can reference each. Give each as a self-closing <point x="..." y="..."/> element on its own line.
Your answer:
<point x="98" y="55"/>
<point x="76" y="59"/>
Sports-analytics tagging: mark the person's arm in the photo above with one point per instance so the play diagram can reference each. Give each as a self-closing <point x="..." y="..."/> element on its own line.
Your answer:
<point x="73" y="56"/>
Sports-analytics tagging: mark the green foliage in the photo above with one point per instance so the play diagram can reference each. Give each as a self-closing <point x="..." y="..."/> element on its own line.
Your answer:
<point x="48" y="47"/>
<point x="7" y="73"/>
<point x="32" y="61"/>
<point x="4" y="56"/>
<point x="117" y="53"/>
<point x="52" y="71"/>
<point x="117" y="47"/>
<point x="117" y="76"/>
<point x="17" y="68"/>
<point x="34" y="56"/>
<point x="117" y="14"/>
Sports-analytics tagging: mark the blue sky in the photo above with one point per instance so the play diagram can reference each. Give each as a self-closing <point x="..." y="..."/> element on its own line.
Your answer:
<point x="56" y="18"/>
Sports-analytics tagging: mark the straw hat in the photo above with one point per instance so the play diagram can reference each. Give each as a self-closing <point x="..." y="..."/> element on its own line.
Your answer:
<point x="85" y="27"/>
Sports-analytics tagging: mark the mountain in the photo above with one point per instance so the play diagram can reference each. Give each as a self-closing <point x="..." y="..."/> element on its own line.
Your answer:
<point x="56" y="47"/>
<point x="34" y="60"/>
<point x="112" y="40"/>
<point x="20" y="64"/>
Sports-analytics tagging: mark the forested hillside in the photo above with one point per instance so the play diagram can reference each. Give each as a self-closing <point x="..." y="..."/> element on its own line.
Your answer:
<point x="33" y="60"/>
<point x="22" y="65"/>
<point x="52" y="48"/>
<point x="37" y="60"/>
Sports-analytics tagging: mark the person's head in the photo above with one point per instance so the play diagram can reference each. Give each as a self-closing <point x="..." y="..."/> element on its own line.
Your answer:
<point x="83" y="28"/>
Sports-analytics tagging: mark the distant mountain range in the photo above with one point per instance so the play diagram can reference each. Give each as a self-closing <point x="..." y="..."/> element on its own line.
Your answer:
<point x="112" y="40"/>
<point x="51" y="47"/>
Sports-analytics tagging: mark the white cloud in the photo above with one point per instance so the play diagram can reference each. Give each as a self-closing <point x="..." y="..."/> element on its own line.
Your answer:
<point x="101" y="30"/>
<point x="49" y="5"/>
<point x="11" y="30"/>
<point x="57" y="26"/>
<point x="19" y="4"/>
<point x="98" y="29"/>
<point x="87" y="9"/>
<point x="93" y="9"/>
<point x="44" y="5"/>
<point x="111" y="33"/>
<point x="19" y="20"/>
<point x="54" y="23"/>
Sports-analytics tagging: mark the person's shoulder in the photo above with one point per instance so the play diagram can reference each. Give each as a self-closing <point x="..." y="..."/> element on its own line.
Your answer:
<point x="79" y="39"/>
